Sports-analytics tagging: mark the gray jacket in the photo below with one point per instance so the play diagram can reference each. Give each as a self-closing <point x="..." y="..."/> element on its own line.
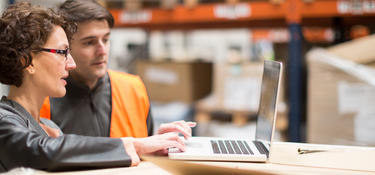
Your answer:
<point x="24" y="143"/>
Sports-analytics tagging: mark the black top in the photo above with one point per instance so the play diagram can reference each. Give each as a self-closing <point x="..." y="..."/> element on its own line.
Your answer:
<point x="87" y="112"/>
<point x="23" y="142"/>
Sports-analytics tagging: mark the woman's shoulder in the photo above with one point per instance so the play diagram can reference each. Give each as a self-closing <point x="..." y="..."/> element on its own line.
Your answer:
<point x="10" y="115"/>
<point x="6" y="109"/>
<point x="9" y="112"/>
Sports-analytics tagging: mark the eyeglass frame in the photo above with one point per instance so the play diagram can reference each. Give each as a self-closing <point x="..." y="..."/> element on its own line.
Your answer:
<point x="58" y="51"/>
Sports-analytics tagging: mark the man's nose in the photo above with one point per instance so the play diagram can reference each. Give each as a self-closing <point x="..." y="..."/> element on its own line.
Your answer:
<point x="101" y="49"/>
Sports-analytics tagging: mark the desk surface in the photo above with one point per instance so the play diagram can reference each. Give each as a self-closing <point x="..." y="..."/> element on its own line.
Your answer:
<point x="150" y="168"/>
<point x="284" y="159"/>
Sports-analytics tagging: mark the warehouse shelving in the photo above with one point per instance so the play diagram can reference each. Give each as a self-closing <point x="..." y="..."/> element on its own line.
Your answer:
<point x="309" y="19"/>
<point x="213" y="14"/>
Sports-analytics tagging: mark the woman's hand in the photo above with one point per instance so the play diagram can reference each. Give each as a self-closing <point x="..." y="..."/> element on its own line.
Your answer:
<point x="130" y="150"/>
<point x="158" y="144"/>
<point x="178" y="126"/>
<point x="167" y="137"/>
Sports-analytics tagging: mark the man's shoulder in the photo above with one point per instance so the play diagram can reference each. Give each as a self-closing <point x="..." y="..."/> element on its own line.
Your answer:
<point x="123" y="76"/>
<point x="126" y="80"/>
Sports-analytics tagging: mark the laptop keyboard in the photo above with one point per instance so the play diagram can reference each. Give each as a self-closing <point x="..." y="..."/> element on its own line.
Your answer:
<point x="230" y="147"/>
<point x="260" y="146"/>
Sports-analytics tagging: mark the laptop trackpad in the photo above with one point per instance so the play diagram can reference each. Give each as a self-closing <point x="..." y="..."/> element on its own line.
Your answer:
<point x="194" y="145"/>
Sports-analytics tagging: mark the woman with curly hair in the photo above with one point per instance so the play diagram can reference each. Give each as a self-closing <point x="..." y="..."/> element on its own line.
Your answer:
<point x="35" y="61"/>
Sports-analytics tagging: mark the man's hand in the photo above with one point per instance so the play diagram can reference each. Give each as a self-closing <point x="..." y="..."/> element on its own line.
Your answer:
<point x="178" y="126"/>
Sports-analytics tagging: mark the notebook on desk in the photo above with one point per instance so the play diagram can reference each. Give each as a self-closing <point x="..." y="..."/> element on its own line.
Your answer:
<point x="226" y="149"/>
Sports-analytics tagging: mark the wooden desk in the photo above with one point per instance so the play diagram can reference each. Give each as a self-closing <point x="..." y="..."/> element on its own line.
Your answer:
<point x="148" y="168"/>
<point x="285" y="160"/>
<point x="324" y="156"/>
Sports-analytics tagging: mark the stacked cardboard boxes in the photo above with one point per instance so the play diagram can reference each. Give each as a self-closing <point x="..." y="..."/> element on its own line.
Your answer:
<point x="341" y="93"/>
<point x="237" y="91"/>
<point x="169" y="81"/>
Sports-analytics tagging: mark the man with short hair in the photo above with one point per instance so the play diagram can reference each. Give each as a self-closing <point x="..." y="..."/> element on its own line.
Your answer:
<point x="101" y="102"/>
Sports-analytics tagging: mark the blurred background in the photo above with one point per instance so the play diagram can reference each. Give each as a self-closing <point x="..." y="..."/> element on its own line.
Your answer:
<point x="202" y="60"/>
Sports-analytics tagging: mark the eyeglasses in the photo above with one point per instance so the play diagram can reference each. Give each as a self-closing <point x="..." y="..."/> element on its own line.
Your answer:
<point x="58" y="51"/>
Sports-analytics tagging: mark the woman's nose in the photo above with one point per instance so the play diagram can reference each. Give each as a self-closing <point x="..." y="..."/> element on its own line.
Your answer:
<point x="70" y="64"/>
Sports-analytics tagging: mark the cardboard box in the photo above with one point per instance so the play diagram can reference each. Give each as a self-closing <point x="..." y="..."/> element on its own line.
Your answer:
<point x="237" y="91"/>
<point x="341" y="94"/>
<point x="237" y="86"/>
<point x="168" y="81"/>
<point x="190" y="3"/>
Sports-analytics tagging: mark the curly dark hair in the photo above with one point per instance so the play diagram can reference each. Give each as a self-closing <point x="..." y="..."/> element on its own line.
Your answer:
<point x="24" y="29"/>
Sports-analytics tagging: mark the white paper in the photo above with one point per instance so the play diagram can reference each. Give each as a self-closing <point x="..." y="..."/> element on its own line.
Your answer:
<point x="364" y="126"/>
<point x="232" y="11"/>
<point x="242" y="93"/>
<point x="163" y="76"/>
<point x="141" y="16"/>
<point x="355" y="97"/>
<point x="360" y="99"/>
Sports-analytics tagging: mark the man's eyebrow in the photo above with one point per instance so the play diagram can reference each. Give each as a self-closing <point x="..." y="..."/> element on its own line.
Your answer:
<point x="87" y="38"/>
<point x="93" y="37"/>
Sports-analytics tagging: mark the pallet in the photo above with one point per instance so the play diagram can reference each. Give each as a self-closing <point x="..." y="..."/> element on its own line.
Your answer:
<point x="205" y="113"/>
<point x="237" y="118"/>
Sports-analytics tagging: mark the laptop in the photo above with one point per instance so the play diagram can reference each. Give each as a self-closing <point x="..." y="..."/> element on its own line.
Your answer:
<point x="247" y="150"/>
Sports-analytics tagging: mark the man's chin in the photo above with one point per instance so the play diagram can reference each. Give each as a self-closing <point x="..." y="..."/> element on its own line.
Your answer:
<point x="100" y="73"/>
<point x="89" y="73"/>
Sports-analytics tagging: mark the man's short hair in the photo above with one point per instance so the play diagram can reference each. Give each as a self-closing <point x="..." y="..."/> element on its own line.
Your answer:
<point x="85" y="10"/>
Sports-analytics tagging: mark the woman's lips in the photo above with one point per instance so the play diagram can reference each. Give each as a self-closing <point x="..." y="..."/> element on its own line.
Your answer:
<point x="63" y="81"/>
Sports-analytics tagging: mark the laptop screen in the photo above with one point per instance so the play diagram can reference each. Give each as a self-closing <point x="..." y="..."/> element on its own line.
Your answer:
<point x="268" y="100"/>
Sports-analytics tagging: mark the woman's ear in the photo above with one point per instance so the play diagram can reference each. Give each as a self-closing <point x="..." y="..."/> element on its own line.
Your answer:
<point x="30" y="69"/>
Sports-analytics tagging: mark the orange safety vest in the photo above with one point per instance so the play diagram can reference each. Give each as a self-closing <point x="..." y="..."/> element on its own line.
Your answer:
<point x="130" y="106"/>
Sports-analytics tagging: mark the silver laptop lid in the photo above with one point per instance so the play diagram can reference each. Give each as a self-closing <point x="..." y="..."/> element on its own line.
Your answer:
<point x="266" y="116"/>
